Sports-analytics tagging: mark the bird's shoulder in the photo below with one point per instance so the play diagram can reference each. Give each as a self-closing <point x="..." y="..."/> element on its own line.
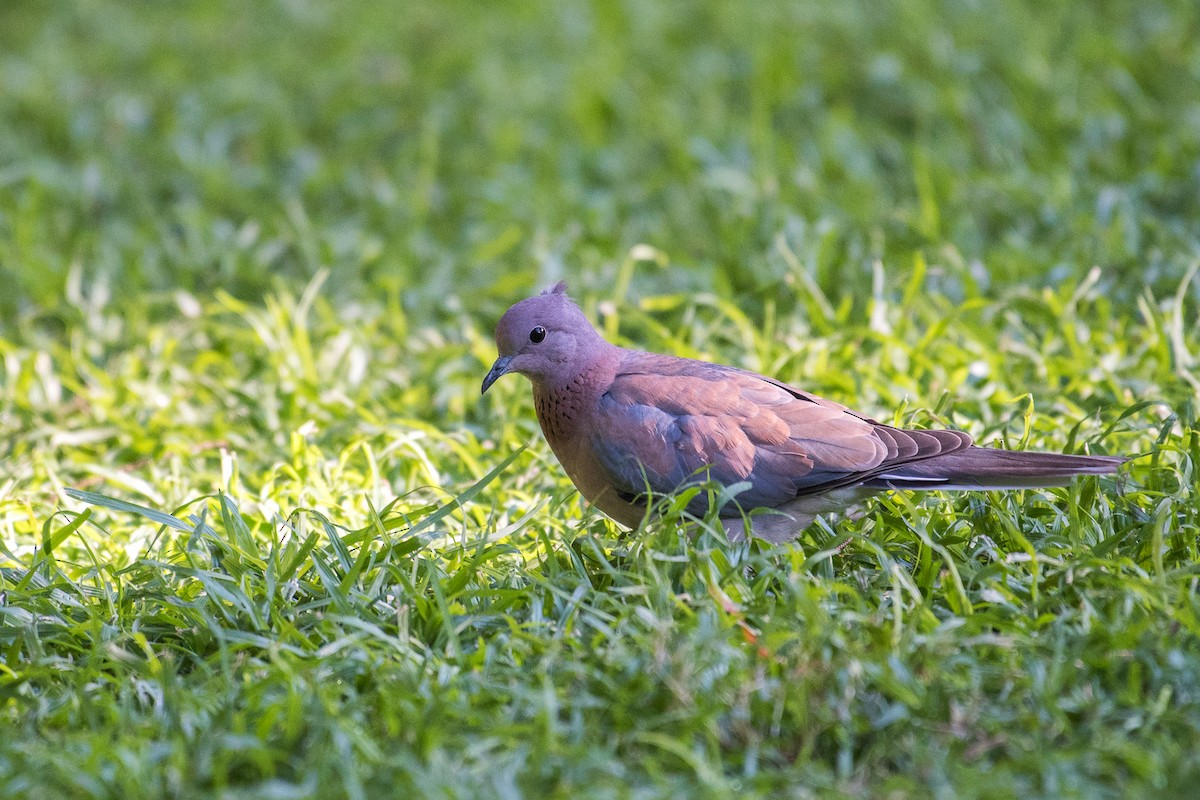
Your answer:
<point x="651" y="377"/>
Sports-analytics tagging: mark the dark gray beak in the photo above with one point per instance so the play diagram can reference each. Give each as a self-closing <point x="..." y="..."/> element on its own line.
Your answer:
<point x="498" y="369"/>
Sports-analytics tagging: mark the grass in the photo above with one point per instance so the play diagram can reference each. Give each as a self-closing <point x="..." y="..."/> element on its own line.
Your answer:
<point x="260" y="537"/>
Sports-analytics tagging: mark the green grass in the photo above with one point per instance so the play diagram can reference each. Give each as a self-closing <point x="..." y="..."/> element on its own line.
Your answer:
<point x="260" y="537"/>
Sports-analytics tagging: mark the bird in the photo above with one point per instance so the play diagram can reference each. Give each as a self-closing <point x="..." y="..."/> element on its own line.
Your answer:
<point x="628" y="426"/>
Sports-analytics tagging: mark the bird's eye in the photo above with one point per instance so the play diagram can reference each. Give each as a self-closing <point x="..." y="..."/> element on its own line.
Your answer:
<point x="537" y="334"/>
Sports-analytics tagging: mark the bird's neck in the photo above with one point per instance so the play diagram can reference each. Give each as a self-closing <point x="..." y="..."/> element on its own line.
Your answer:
<point x="562" y="404"/>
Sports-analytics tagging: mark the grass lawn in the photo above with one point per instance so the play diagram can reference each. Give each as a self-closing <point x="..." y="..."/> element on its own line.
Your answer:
<point x="261" y="537"/>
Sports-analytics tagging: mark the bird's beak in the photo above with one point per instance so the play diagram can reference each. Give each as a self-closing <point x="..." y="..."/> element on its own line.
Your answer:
<point x="499" y="368"/>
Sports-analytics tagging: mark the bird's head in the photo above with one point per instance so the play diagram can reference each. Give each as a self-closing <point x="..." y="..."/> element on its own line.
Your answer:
<point x="545" y="338"/>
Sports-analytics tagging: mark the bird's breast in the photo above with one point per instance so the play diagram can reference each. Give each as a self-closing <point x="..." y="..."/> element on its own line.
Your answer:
<point x="566" y="413"/>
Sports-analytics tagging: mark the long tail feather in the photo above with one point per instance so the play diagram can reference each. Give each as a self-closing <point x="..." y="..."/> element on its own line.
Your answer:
<point x="986" y="468"/>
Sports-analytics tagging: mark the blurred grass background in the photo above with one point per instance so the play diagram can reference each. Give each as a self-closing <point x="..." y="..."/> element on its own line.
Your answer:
<point x="419" y="151"/>
<point x="256" y="251"/>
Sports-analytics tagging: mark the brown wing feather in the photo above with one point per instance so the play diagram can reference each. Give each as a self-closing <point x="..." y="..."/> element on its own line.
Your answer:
<point x="663" y="419"/>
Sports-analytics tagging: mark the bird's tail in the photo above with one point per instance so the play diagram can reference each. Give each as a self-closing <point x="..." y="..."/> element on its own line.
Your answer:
<point x="987" y="468"/>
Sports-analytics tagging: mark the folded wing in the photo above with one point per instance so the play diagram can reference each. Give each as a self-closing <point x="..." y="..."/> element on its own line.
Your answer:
<point x="666" y="421"/>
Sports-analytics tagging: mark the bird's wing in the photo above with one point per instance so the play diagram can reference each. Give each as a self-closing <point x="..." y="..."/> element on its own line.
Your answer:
<point x="665" y="421"/>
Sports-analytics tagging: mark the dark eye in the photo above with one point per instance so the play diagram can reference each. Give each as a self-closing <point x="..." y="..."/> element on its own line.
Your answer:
<point x="537" y="334"/>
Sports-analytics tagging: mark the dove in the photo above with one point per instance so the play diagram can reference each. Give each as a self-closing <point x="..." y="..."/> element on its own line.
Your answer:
<point x="628" y="426"/>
